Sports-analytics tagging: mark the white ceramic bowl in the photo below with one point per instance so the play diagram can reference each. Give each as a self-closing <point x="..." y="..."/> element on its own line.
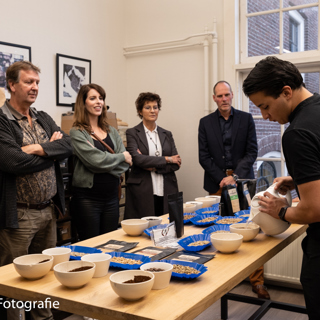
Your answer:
<point x="249" y="231"/>
<point x="153" y="220"/>
<point x="189" y="207"/>
<point x="216" y="198"/>
<point x="197" y="203"/>
<point x="161" y="278"/>
<point x="134" y="227"/>
<point x="206" y="202"/>
<point x="131" y="291"/>
<point x="102" y="262"/>
<point x="74" y="279"/>
<point x="28" y="266"/>
<point x="226" y="242"/>
<point x="59" y="254"/>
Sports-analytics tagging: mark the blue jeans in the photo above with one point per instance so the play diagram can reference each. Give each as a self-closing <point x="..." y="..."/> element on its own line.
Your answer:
<point x="94" y="217"/>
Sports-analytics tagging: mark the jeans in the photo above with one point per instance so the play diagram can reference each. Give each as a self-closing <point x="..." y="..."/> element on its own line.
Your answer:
<point x="95" y="217"/>
<point x="37" y="231"/>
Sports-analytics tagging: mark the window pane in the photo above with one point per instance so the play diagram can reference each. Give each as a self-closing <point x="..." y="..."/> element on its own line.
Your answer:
<point x="258" y="6"/>
<point x="253" y="109"/>
<point x="300" y="30"/>
<point x="290" y="3"/>
<point x="269" y="138"/>
<point x="311" y="80"/>
<point x="263" y="35"/>
<point x="266" y="172"/>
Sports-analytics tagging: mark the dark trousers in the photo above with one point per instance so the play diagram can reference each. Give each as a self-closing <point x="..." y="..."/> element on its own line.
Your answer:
<point x="158" y="205"/>
<point x="310" y="275"/>
<point x="95" y="217"/>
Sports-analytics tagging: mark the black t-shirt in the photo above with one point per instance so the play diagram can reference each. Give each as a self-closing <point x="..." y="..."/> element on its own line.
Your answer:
<point x="105" y="185"/>
<point x="301" y="143"/>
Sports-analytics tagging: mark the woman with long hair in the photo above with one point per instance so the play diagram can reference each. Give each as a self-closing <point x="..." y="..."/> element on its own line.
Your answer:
<point x="97" y="170"/>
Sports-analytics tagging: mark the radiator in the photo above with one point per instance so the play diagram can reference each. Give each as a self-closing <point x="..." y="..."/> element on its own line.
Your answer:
<point x="284" y="268"/>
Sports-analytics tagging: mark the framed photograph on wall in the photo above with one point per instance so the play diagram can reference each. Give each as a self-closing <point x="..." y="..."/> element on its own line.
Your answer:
<point x="72" y="73"/>
<point x="10" y="53"/>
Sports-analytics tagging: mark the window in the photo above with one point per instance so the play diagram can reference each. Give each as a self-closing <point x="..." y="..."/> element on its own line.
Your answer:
<point x="293" y="36"/>
<point x="296" y="32"/>
<point x="269" y="135"/>
<point x="277" y="27"/>
<point x="289" y="30"/>
<point x="265" y="175"/>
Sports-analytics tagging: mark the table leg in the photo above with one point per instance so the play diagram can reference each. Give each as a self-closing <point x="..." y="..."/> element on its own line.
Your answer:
<point x="224" y="307"/>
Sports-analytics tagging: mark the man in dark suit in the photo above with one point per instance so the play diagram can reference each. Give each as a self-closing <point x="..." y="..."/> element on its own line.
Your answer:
<point x="227" y="151"/>
<point x="227" y="140"/>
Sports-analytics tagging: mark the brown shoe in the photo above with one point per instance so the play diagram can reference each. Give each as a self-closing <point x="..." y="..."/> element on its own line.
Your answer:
<point x="261" y="291"/>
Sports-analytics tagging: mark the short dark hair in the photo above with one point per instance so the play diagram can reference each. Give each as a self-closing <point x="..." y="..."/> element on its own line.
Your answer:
<point x="13" y="71"/>
<point x="146" y="97"/>
<point x="221" y="81"/>
<point x="270" y="75"/>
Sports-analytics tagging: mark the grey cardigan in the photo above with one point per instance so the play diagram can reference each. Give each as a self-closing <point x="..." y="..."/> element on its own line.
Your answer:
<point x="90" y="160"/>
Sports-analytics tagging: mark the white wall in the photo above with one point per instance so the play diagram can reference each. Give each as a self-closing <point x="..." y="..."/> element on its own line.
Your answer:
<point x="176" y="75"/>
<point x="98" y="30"/>
<point x="85" y="29"/>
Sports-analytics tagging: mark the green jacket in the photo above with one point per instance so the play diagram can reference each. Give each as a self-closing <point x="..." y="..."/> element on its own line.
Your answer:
<point x="90" y="160"/>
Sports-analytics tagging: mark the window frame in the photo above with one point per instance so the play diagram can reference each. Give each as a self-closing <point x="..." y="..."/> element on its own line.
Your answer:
<point x="243" y="38"/>
<point x="296" y="17"/>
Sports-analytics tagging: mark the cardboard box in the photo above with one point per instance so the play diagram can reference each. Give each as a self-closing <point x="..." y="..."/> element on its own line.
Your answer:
<point x="112" y="119"/>
<point x="67" y="121"/>
<point x="63" y="230"/>
<point x="2" y="97"/>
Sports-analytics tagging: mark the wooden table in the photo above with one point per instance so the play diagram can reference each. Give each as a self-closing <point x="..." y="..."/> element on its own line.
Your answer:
<point x="181" y="300"/>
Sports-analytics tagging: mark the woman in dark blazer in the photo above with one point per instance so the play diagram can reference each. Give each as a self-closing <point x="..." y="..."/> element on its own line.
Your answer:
<point x="155" y="160"/>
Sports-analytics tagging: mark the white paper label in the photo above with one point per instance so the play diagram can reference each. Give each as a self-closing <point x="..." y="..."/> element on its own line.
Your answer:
<point x="247" y="194"/>
<point x="234" y="200"/>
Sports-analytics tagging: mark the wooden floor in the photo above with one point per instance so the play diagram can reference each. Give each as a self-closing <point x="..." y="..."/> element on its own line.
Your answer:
<point x="243" y="311"/>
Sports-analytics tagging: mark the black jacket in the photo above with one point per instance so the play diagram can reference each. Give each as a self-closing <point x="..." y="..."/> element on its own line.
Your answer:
<point x="139" y="193"/>
<point x="244" y="148"/>
<point x="15" y="162"/>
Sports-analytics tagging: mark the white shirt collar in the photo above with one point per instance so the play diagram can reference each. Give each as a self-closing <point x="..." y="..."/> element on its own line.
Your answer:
<point x="147" y="130"/>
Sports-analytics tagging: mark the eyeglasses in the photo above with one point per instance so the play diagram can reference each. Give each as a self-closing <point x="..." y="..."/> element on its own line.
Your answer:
<point x="149" y="108"/>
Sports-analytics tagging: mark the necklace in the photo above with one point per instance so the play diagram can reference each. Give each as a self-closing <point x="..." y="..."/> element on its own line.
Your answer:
<point x="157" y="153"/>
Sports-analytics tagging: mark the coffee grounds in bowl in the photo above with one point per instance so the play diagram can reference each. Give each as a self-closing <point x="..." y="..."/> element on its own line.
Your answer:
<point x="138" y="279"/>
<point x="81" y="269"/>
<point x="44" y="261"/>
<point x="155" y="269"/>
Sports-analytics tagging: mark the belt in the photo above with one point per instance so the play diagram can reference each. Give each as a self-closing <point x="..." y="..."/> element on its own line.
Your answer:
<point x="229" y="172"/>
<point x="36" y="206"/>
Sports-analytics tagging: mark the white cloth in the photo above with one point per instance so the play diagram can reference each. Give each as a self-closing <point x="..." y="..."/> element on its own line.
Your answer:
<point x="155" y="145"/>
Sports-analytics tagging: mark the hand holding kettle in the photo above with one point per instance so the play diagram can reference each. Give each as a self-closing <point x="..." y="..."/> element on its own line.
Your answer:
<point x="283" y="184"/>
<point x="271" y="202"/>
<point x="265" y="207"/>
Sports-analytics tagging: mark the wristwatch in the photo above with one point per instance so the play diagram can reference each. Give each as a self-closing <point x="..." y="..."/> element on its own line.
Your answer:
<point x="169" y="159"/>
<point x="282" y="213"/>
<point x="235" y="177"/>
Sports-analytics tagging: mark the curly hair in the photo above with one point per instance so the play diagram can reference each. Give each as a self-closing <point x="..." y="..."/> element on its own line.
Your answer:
<point x="81" y="118"/>
<point x="146" y="97"/>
